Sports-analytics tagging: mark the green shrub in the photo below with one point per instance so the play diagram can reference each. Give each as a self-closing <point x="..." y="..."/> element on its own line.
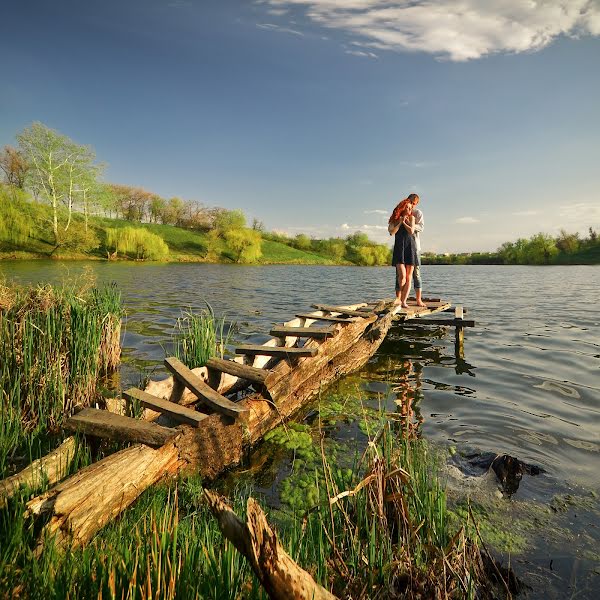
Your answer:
<point x="136" y="242"/>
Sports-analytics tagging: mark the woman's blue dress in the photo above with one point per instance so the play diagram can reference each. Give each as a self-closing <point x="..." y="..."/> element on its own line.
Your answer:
<point x="405" y="249"/>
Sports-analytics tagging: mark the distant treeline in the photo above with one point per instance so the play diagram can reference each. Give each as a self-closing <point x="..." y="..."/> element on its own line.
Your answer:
<point x="539" y="249"/>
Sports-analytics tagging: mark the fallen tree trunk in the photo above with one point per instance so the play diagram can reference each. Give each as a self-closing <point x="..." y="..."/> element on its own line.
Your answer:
<point x="88" y="500"/>
<point x="281" y="577"/>
<point x="50" y="468"/>
<point x="83" y="504"/>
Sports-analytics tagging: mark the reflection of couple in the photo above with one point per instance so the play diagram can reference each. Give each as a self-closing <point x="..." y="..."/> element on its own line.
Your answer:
<point x="406" y="223"/>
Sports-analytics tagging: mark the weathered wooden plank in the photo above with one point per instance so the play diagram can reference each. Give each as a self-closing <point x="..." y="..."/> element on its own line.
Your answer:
<point x="344" y="311"/>
<point x="281" y="351"/>
<point x="203" y="391"/>
<point x="326" y="318"/>
<point x="458" y="312"/>
<point x="239" y="370"/>
<point x="178" y="413"/>
<point x="108" y="425"/>
<point x="317" y="333"/>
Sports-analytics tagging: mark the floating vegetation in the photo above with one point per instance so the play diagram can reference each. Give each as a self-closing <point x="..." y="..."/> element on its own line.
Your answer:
<point x="55" y="344"/>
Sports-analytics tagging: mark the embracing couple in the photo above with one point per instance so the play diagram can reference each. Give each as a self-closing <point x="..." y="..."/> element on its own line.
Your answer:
<point x="406" y="223"/>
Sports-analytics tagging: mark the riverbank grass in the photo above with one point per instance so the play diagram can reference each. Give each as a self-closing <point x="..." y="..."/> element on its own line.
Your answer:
<point x="55" y="345"/>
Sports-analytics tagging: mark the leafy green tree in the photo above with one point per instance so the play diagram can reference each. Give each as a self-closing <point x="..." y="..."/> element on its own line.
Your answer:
<point x="245" y="244"/>
<point x="302" y="242"/>
<point x="540" y="249"/>
<point x="16" y="225"/>
<point x="568" y="243"/>
<point x="157" y="208"/>
<point x="58" y="169"/>
<point x="135" y="242"/>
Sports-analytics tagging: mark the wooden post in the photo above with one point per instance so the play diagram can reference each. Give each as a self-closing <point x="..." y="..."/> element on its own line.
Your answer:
<point x="459" y="342"/>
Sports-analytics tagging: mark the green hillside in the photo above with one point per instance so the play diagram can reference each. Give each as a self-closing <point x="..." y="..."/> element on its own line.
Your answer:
<point x="184" y="245"/>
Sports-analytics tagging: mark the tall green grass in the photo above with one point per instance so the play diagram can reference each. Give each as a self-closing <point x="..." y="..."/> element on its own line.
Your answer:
<point x="55" y="344"/>
<point x="198" y="336"/>
<point x="388" y="538"/>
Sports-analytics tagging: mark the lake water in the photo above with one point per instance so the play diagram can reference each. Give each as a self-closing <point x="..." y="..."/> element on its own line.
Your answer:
<point x="528" y="386"/>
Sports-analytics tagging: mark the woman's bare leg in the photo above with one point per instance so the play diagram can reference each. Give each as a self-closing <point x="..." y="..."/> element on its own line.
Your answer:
<point x="401" y="275"/>
<point x="405" y="290"/>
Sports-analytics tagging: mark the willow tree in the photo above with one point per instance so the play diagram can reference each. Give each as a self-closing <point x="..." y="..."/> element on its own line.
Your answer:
<point x="60" y="171"/>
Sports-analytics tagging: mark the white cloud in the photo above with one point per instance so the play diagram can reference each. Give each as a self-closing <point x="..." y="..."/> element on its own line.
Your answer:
<point x="466" y="220"/>
<point x="376" y="211"/>
<point x="458" y="30"/>
<point x="346" y="227"/>
<point x="274" y="27"/>
<point x="417" y="164"/>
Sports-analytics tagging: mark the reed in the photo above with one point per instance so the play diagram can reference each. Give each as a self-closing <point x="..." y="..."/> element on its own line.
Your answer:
<point x="198" y="336"/>
<point x="55" y="344"/>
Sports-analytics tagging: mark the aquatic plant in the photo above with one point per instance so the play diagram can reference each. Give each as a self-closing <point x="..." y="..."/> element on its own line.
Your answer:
<point x="198" y="336"/>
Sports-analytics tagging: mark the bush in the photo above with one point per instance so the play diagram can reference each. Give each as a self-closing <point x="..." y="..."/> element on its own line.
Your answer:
<point x="136" y="243"/>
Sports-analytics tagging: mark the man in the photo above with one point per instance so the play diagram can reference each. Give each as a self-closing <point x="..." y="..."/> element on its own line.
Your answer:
<point x="419" y="226"/>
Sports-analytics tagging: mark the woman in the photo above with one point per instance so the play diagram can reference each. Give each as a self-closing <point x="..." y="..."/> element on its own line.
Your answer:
<point x="404" y="258"/>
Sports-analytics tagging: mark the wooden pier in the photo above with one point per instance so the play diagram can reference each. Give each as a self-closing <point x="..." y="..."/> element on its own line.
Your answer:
<point x="206" y="419"/>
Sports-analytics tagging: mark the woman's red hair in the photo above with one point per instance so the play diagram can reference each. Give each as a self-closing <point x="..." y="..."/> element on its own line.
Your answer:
<point x="401" y="207"/>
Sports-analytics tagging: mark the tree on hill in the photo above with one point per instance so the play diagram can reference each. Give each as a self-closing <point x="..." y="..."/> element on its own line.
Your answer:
<point x="230" y="236"/>
<point x="59" y="170"/>
<point x="15" y="166"/>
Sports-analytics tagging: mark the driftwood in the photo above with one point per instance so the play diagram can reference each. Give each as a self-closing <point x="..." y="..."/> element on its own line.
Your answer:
<point x="50" y="468"/>
<point x="88" y="500"/>
<point x="281" y="577"/>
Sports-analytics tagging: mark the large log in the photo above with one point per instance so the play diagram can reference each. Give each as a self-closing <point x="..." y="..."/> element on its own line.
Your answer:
<point x="95" y="495"/>
<point x="221" y="443"/>
<point x="281" y="577"/>
<point x="84" y="503"/>
<point x="48" y="469"/>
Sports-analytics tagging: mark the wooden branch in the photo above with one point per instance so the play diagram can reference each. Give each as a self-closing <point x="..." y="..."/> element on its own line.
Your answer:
<point x="88" y="500"/>
<point x="50" y="468"/>
<point x="281" y="577"/>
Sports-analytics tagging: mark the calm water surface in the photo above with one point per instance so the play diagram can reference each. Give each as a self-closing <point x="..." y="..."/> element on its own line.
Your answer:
<point x="529" y="384"/>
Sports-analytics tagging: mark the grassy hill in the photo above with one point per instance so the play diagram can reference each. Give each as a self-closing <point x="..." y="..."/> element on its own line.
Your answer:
<point x="184" y="245"/>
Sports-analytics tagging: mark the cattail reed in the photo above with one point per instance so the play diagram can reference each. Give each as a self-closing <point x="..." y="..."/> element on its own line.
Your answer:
<point x="55" y="344"/>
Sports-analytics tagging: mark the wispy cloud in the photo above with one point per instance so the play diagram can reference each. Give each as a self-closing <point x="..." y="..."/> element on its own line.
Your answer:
<point x="361" y="53"/>
<point x="458" y="30"/>
<point x="466" y="220"/>
<point x="274" y="27"/>
<point x="376" y="211"/>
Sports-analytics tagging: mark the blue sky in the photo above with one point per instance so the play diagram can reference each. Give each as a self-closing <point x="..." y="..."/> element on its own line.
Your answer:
<point x="317" y="116"/>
